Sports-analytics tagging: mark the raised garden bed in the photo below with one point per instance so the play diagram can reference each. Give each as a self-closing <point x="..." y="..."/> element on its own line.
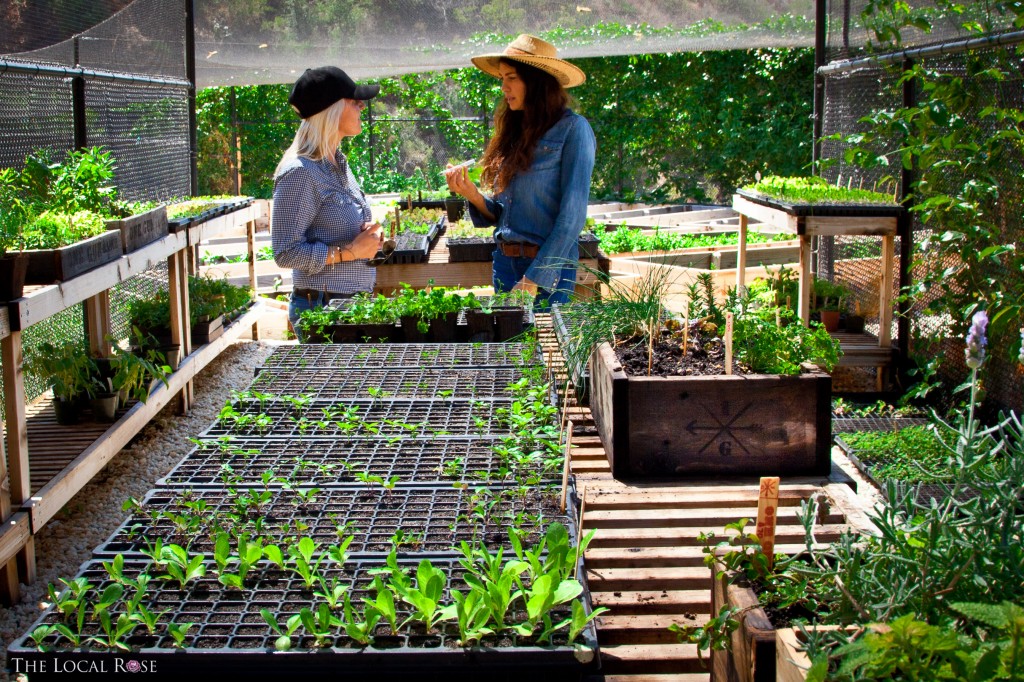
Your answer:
<point x="229" y="636"/>
<point x="312" y="356"/>
<point x="407" y="383"/>
<point x="319" y="461"/>
<point x="741" y="424"/>
<point x="138" y="230"/>
<point x="431" y="520"/>
<point x="47" y="266"/>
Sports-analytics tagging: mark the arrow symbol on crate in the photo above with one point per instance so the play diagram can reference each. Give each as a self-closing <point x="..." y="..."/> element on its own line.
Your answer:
<point x="723" y="429"/>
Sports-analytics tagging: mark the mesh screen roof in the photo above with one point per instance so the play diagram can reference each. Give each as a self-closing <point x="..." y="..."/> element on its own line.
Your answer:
<point x="245" y="42"/>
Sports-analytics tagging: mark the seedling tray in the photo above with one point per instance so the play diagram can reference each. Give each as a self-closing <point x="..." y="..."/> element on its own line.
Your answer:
<point x="823" y="210"/>
<point x="434" y="520"/>
<point x="409" y="248"/>
<point x="371" y="419"/>
<point x="404" y="383"/>
<point x="229" y="636"/>
<point x="317" y="462"/>
<point x="471" y="249"/>
<point x="353" y="356"/>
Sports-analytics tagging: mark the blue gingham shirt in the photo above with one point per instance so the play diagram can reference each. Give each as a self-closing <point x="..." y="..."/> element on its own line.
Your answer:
<point x="317" y="205"/>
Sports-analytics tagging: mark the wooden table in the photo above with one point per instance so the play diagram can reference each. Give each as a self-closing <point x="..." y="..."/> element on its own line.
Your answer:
<point x="466" y="275"/>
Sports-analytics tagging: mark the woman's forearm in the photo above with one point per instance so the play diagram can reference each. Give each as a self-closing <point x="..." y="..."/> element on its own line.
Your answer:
<point x="480" y="204"/>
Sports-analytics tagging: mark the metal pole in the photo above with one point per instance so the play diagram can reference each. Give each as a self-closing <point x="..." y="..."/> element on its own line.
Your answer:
<point x="820" y="23"/>
<point x="235" y="144"/>
<point x="906" y="232"/>
<point x="78" y="105"/>
<point x="190" y="75"/>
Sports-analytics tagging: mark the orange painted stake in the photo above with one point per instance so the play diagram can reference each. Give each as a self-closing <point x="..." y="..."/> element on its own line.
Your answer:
<point x="767" y="511"/>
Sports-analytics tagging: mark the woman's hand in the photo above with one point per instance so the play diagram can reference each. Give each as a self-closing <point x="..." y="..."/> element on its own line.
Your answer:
<point x="367" y="243"/>
<point x="459" y="182"/>
<point x="527" y="285"/>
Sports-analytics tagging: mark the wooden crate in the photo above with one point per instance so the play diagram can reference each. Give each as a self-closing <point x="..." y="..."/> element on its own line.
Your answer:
<point x="751" y="657"/>
<point x="138" y="230"/>
<point x="749" y="424"/>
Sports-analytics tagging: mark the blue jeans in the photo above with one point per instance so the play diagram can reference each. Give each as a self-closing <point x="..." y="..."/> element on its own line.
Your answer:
<point x="509" y="270"/>
<point x="296" y="306"/>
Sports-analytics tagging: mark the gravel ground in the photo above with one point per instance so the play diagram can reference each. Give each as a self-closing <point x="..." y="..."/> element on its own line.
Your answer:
<point x="68" y="540"/>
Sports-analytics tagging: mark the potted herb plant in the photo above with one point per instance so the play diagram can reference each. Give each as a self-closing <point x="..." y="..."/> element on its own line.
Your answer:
<point x="665" y="405"/>
<point x="71" y="373"/>
<point x="831" y="297"/>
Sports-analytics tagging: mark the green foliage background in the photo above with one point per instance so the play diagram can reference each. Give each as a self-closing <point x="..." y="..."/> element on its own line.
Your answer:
<point x="681" y="126"/>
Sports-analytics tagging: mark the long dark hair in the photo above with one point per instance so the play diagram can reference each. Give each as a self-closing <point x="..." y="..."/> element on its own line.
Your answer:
<point x="516" y="133"/>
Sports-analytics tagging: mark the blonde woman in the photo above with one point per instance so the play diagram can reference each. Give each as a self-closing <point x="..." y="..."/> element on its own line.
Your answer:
<point x="321" y="225"/>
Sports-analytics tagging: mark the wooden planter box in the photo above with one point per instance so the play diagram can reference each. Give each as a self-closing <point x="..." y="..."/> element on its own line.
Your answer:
<point x="749" y="424"/>
<point x="210" y="330"/>
<point x="46" y="266"/>
<point x="751" y="655"/>
<point x="138" y="230"/>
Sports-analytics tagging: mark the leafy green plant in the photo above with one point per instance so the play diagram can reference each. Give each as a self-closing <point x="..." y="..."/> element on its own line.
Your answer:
<point x="815" y="190"/>
<point x="68" y="366"/>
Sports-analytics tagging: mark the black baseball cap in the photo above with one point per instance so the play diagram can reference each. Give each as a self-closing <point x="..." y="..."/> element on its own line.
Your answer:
<point x="319" y="88"/>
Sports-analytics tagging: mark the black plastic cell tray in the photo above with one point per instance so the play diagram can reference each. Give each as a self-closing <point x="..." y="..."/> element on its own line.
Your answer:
<point x="317" y="462"/>
<point x="402" y="383"/>
<point x="436" y="418"/>
<point x="410" y="248"/>
<point x="826" y="210"/>
<point x="229" y="635"/>
<point x="435" y="520"/>
<point x="353" y="356"/>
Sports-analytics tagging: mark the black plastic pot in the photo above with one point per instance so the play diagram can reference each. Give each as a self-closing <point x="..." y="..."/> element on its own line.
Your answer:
<point x="508" y="322"/>
<point x="480" y="326"/>
<point x="855" y="324"/>
<point x="456" y="208"/>
<point x="410" y="332"/>
<point x="444" y="328"/>
<point x="67" y="411"/>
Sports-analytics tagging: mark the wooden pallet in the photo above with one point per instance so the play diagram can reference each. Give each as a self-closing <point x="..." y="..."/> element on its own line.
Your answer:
<point x="645" y="562"/>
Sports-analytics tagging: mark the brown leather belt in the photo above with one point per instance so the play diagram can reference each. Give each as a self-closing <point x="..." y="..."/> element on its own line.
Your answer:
<point x="518" y="249"/>
<point x="310" y="294"/>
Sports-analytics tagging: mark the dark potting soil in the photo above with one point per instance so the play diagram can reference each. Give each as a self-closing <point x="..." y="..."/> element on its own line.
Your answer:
<point x="705" y="356"/>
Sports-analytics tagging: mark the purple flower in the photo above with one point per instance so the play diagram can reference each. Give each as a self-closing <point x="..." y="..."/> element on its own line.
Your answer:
<point x="976" y="341"/>
<point x="1020" y="354"/>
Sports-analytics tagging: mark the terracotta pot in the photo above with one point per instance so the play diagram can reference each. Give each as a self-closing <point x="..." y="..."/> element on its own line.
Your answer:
<point x="830" y="320"/>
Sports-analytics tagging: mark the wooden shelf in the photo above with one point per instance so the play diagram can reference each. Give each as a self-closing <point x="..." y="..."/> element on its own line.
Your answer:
<point x="83" y="450"/>
<point x="69" y="459"/>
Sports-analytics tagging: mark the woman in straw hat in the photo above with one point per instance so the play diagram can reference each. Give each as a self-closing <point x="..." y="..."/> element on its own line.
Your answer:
<point x="321" y="225"/>
<point x="539" y="164"/>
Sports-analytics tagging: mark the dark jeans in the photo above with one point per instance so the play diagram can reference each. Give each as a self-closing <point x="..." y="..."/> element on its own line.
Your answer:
<point x="508" y="271"/>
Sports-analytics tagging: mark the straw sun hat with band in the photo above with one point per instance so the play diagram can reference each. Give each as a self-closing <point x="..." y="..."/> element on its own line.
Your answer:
<point x="537" y="53"/>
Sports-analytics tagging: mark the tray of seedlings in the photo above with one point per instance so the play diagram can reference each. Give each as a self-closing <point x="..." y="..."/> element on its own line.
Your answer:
<point x="332" y="384"/>
<point x="295" y="605"/>
<point x="227" y="461"/>
<point x="380" y="515"/>
<point x="354" y="356"/>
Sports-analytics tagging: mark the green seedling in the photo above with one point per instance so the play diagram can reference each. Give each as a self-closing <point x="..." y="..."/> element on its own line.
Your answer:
<point x="178" y="632"/>
<point x="472" y="615"/>
<point x="384" y="603"/>
<point x="360" y="626"/>
<point x="302" y="560"/>
<point x="284" y="636"/>
<point x="319" y="623"/>
<point x="180" y="567"/>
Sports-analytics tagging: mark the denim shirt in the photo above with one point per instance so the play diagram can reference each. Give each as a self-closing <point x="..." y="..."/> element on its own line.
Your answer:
<point x="547" y="204"/>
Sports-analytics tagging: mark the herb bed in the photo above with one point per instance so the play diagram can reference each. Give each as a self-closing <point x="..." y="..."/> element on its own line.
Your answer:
<point x="415" y="460"/>
<point x="431" y="520"/>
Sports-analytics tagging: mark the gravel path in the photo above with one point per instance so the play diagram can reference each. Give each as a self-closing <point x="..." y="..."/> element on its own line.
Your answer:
<point x="68" y="540"/>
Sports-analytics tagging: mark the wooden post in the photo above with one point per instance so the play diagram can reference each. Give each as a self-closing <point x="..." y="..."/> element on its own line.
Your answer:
<point x="11" y="355"/>
<point x="181" y="332"/>
<point x="741" y="255"/>
<point x="767" y="511"/>
<point x="97" y="323"/>
<point x="728" y="343"/>
<point x="806" y="282"/>
<point x="250" y="239"/>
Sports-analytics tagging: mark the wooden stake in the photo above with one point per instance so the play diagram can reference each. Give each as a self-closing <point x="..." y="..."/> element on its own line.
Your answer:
<point x="565" y="467"/>
<point x="728" y="343"/>
<point x="395" y="225"/>
<point x="686" y="332"/>
<point x="767" y="507"/>
<point x="565" y="412"/>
